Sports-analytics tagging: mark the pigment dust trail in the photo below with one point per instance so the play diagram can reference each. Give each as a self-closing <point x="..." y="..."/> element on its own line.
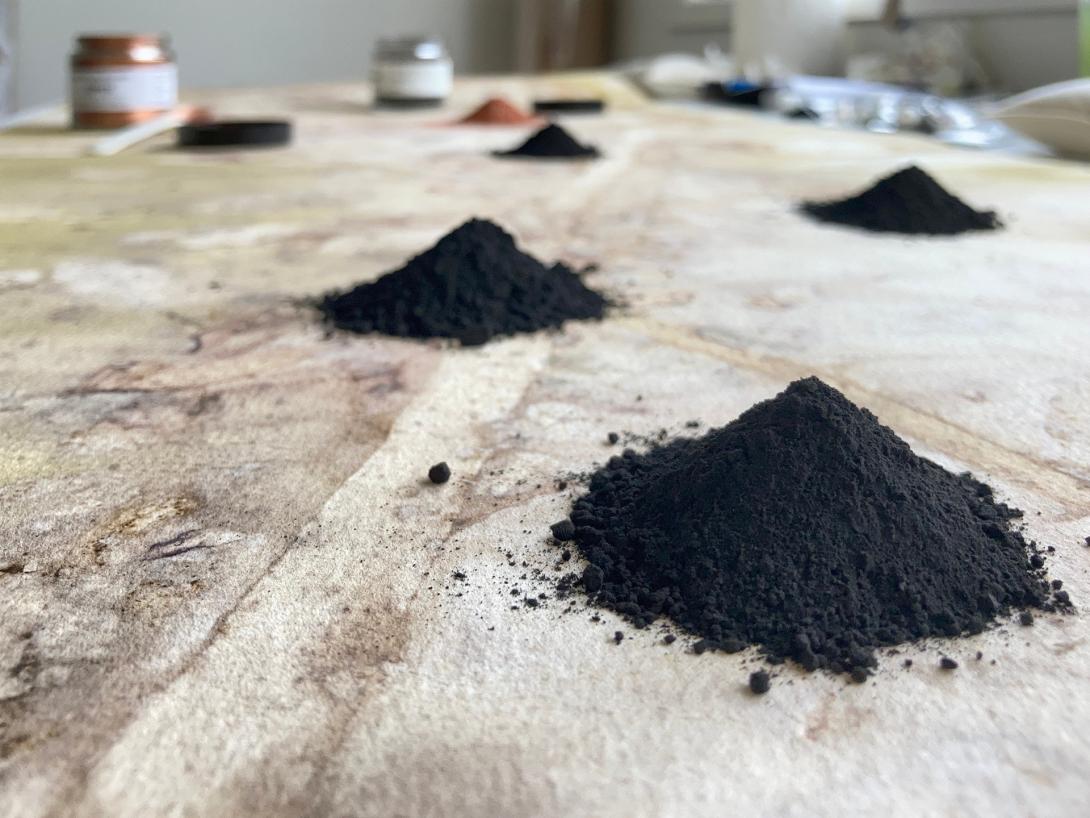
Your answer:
<point x="807" y="528"/>
<point x="909" y="201"/>
<point x="473" y="285"/>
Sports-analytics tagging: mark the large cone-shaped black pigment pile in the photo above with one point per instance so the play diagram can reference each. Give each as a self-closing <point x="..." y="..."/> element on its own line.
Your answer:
<point x="909" y="201"/>
<point x="551" y="142"/>
<point x="473" y="285"/>
<point x="804" y="527"/>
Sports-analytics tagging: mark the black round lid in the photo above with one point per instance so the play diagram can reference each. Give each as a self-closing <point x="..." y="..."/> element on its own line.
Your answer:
<point x="235" y="133"/>
<point x="569" y="106"/>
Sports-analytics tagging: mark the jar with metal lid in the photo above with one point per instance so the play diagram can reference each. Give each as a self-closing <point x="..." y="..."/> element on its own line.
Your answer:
<point x="120" y="79"/>
<point x="411" y="71"/>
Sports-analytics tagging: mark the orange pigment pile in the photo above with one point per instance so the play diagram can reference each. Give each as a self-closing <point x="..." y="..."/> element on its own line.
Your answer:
<point x="498" y="111"/>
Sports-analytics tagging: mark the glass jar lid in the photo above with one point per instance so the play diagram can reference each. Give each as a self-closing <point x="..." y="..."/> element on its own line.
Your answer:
<point x="410" y="49"/>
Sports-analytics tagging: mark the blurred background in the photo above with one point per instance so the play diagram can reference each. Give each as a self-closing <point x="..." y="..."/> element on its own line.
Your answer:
<point x="951" y="46"/>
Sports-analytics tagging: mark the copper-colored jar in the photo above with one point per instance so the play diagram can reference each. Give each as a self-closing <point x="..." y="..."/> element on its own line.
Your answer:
<point x="121" y="79"/>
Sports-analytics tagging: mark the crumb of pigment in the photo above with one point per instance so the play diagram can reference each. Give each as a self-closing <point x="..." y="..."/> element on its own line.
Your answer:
<point x="909" y="201"/>
<point x="946" y="663"/>
<point x="564" y="530"/>
<point x="439" y="473"/>
<point x="807" y="528"/>
<point x="552" y="142"/>
<point x="760" y="682"/>
<point x="498" y="111"/>
<point x="473" y="285"/>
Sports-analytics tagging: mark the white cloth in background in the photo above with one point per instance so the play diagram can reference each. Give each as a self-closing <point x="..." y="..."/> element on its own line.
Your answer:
<point x="1056" y="115"/>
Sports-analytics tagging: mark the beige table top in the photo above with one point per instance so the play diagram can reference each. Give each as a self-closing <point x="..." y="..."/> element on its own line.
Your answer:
<point x="225" y="590"/>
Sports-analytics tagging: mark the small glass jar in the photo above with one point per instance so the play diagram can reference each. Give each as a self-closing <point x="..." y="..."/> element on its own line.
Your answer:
<point x="411" y="71"/>
<point x="121" y="79"/>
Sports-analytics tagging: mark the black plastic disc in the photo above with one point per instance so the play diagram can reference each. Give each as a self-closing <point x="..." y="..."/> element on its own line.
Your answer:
<point x="569" y="106"/>
<point x="235" y="133"/>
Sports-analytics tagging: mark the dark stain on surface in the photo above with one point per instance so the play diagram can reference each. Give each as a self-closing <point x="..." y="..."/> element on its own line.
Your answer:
<point x="9" y="745"/>
<point x="251" y="435"/>
<point x="175" y="540"/>
<point x="206" y="402"/>
<point x="361" y="641"/>
<point x="163" y="555"/>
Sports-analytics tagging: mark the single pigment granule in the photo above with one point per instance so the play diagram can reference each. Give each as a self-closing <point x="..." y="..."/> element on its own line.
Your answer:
<point x="804" y="527"/>
<point x="551" y="142"/>
<point x="439" y="473"/>
<point x="473" y="285"/>
<point x="909" y="201"/>
<point x="760" y="682"/>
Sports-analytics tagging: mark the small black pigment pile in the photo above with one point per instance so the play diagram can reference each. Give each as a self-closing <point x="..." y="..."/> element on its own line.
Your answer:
<point x="474" y="284"/>
<point x="909" y="201"/>
<point x="553" y="142"/>
<point x="807" y="528"/>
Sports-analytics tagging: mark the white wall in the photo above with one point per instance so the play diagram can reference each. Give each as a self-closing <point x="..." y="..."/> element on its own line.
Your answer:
<point x="259" y="42"/>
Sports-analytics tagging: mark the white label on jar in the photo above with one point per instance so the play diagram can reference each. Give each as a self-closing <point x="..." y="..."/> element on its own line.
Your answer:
<point x="408" y="80"/>
<point x="121" y="89"/>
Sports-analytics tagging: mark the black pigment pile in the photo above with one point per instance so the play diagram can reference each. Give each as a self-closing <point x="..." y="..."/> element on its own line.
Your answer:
<point x="909" y="201"/>
<point x="552" y="142"/>
<point x="807" y="528"/>
<point x="473" y="285"/>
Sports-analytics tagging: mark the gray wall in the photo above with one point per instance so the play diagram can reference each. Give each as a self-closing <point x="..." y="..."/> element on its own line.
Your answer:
<point x="648" y="27"/>
<point x="263" y="42"/>
<point x="1017" y="50"/>
<point x="7" y="84"/>
<point x="259" y="42"/>
<point x="1020" y="52"/>
<point x="1020" y="43"/>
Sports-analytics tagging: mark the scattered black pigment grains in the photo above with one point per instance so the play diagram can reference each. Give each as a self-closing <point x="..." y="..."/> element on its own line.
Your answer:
<point x="473" y="285"/>
<point x="807" y="528"/>
<point x="909" y="201"/>
<point x="551" y="142"/>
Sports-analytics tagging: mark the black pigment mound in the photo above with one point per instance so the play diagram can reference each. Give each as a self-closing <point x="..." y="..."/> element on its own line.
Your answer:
<point x="804" y="527"/>
<point x="909" y="201"/>
<point x="554" y="142"/>
<point x="474" y="284"/>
